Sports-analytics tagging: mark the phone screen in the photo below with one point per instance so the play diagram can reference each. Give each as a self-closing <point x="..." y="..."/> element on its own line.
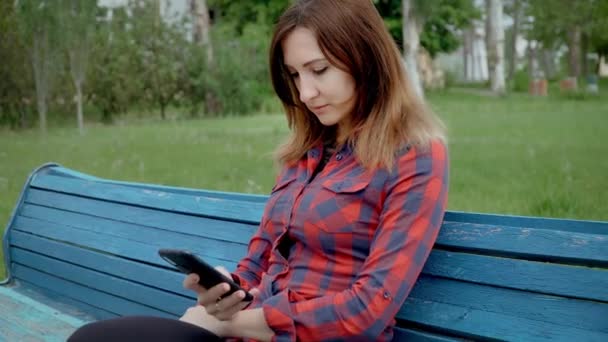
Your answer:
<point x="186" y="262"/>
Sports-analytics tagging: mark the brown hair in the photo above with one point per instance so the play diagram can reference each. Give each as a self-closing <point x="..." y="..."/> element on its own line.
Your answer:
<point x="387" y="114"/>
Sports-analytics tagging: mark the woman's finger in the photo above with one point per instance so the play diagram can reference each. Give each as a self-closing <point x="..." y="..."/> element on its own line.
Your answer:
<point x="191" y="283"/>
<point x="210" y="297"/>
<point x="226" y="314"/>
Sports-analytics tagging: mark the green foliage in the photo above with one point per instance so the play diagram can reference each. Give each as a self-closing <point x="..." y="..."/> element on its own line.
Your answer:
<point x="241" y="77"/>
<point x="441" y="27"/>
<point x="241" y="13"/>
<point x="520" y="81"/>
<point x="16" y="84"/>
<point x="442" y="21"/>
<point x="113" y="83"/>
<point x="550" y="22"/>
<point x="599" y="30"/>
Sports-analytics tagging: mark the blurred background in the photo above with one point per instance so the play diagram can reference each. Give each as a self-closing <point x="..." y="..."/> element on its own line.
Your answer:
<point x="178" y="93"/>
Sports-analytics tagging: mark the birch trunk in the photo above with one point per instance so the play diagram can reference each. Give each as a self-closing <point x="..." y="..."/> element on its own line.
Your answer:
<point x="40" y="64"/>
<point x="78" y="58"/>
<point x="495" y="35"/>
<point x="513" y="42"/>
<point x="411" y="44"/>
<point x="201" y="36"/>
<point x="574" y="51"/>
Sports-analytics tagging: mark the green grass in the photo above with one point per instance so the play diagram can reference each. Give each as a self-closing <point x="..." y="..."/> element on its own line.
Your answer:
<point x="513" y="155"/>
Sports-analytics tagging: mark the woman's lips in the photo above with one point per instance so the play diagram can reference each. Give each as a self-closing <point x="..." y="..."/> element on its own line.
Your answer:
<point x="319" y="108"/>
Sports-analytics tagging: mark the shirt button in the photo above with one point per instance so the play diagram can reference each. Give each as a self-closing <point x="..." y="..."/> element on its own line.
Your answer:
<point x="339" y="157"/>
<point x="386" y="295"/>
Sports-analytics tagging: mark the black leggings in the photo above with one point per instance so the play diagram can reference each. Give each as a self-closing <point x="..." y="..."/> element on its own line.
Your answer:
<point x="142" y="328"/>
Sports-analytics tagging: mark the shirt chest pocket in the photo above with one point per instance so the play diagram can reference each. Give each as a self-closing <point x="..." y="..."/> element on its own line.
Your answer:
<point x="346" y="206"/>
<point x="281" y="199"/>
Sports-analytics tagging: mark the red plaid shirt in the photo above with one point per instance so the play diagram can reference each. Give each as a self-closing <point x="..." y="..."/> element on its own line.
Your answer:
<point x="355" y="243"/>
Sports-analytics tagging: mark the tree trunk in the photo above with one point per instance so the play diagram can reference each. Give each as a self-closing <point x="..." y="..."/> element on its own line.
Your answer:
<point x="78" y="57"/>
<point x="466" y="50"/>
<point x="201" y="36"/>
<point x="531" y="53"/>
<point x="79" y="114"/>
<point x="162" y="109"/>
<point x="40" y="65"/>
<point x="584" y="50"/>
<point x="495" y="36"/>
<point x="202" y="27"/>
<point x="546" y="56"/>
<point x="411" y="44"/>
<point x="513" y="45"/>
<point x="574" y="51"/>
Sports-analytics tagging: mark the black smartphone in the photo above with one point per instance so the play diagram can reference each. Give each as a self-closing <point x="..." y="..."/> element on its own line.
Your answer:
<point x="188" y="263"/>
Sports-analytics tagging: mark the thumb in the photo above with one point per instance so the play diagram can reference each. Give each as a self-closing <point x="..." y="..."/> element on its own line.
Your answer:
<point x="254" y="292"/>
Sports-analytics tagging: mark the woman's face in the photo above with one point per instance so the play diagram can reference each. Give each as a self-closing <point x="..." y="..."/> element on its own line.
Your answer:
<point x="326" y="90"/>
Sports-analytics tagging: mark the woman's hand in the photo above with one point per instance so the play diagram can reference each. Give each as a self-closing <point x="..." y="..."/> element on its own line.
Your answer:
<point x="222" y="309"/>
<point x="198" y="316"/>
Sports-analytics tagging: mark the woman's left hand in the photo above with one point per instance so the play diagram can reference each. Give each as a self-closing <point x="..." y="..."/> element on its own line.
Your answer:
<point x="197" y="315"/>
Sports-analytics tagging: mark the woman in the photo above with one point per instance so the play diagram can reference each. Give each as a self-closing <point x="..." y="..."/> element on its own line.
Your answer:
<point x="357" y="205"/>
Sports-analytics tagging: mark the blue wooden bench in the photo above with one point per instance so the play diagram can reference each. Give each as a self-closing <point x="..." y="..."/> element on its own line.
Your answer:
<point x="80" y="248"/>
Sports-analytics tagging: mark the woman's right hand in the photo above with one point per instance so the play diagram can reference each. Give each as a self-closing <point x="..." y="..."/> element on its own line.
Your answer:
<point x="224" y="308"/>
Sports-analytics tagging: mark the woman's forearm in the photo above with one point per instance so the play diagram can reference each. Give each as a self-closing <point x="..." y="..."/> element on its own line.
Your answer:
<point x="250" y="324"/>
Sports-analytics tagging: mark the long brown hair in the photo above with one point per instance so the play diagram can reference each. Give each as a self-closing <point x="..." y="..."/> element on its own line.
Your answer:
<point x="387" y="114"/>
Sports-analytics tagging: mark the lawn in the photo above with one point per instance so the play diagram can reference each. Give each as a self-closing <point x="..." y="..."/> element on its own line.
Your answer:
<point x="514" y="155"/>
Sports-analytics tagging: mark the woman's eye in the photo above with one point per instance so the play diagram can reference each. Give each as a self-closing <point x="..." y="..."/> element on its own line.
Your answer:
<point x="320" y="71"/>
<point x="294" y="75"/>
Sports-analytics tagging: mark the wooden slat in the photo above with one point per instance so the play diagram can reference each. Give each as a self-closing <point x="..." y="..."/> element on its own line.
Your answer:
<point x="67" y="306"/>
<point x="581" y="226"/>
<point x="580" y="314"/>
<point x="204" y="238"/>
<point x="113" y="304"/>
<point x="30" y="321"/>
<point x="63" y="172"/>
<point x="485" y="325"/>
<point x="109" y="284"/>
<point x="542" y="277"/>
<point x="37" y="201"/>
<point x="120" y="246"/>
<point x="123" y="268"/>
<point x="563" y="224"/>
<point x="212" y="207"/>
<point x="527" y="243"/>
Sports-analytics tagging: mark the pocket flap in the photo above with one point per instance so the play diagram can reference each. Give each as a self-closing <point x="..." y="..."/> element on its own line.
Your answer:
<point x="347" y="185"/>
<point x="283" y="182"/>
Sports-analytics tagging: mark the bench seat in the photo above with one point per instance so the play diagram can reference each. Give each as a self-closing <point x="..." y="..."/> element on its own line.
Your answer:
<point x="80" y="248"/>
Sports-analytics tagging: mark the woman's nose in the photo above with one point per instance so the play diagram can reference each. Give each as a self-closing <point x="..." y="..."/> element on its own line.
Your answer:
<point x="308" y="89"/>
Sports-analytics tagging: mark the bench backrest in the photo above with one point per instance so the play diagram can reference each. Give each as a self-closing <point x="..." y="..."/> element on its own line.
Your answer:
<point x="96" y="241"/>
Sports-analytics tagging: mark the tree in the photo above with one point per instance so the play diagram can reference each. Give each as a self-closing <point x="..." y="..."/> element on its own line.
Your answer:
<point x="242" y="13"/>
<point x="515" y="9"/>
<point x="37" y="23"/>
<point x="562" y="21"/>
<point x="14" y="70"/>
<point x="495" y="45"/>
<point x="78" y="20"/>
<point x="201" y="23"/>
<point x="160" y="53"/>
<point x="435" y="25"/>
<point x="114" y="73"/>
<point x="598" y="40"/>
<point x="411" y="42"/>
